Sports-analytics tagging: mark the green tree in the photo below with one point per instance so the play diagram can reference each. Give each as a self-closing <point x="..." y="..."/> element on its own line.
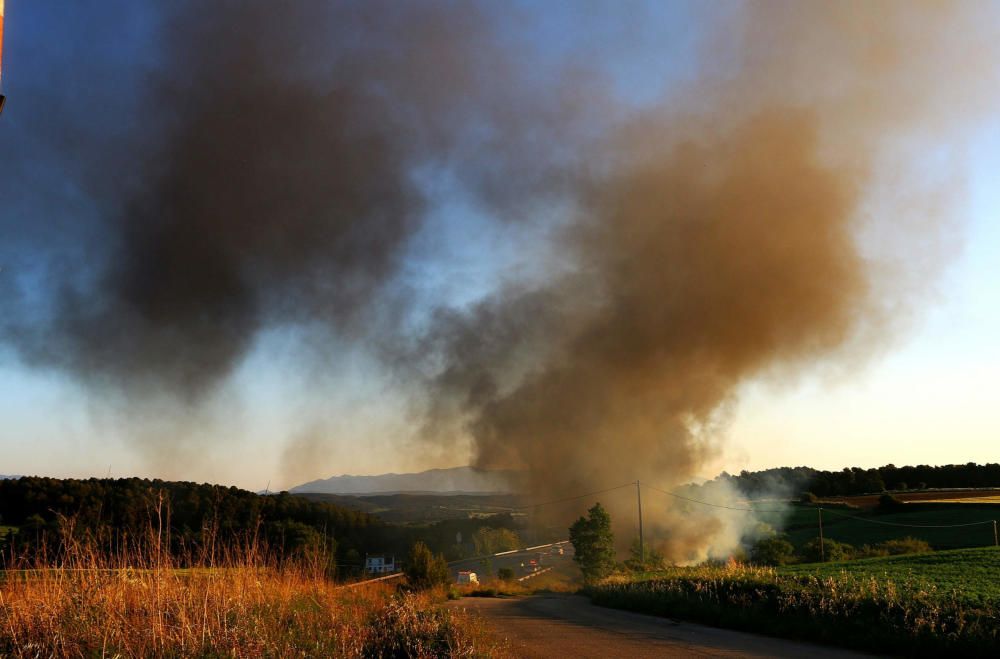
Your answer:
<point x="488" y="540"/>
<point x="772" y="550"/>
<point x="593" y="543"/>
<point x="424" y="569"/>
<point x="889" y="503"/>
<point x="832" y="551"/>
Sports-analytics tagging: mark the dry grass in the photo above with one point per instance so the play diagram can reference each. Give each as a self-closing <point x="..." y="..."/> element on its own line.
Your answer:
<point x="995" y="499"/>
<point x="139" y="603"/>
<point x="868" y="501"/>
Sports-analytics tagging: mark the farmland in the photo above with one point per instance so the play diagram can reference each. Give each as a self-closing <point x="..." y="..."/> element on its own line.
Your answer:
<point x="917" y="605"/>
<point x="868" y="527"/>
<point x="952" y="495"/>
<point x="969" y="575"/>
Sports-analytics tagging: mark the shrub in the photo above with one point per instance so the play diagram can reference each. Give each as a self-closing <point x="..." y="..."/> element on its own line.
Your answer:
<point x="832" y="551"/>
<point x="643" y="558"/>
<point x="905" y="545"/>
<point x="775" y="550"/>
<point x="505" y="574"/>
<point x="889" y="503"/>
<point x="808" y="498"/>
<point x="425" y="570"/>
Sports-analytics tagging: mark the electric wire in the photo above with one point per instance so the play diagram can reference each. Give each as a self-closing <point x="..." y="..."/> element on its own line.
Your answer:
<point x="708" y="503"/>
<point x="828" y="510"/>
<point x="909" y="526"/>
<point x="567" y="499"/>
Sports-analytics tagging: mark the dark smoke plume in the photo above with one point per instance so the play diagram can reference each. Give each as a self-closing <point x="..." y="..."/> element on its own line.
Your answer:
<point x="747" y="225"/>
<point x="698" y="266"/>
<point x="275" y="182"/>
<point x="721" y="238"/>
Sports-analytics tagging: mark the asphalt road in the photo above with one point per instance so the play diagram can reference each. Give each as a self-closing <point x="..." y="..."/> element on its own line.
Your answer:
<point x="518" y="561"/>
<point x="569" y="625"/>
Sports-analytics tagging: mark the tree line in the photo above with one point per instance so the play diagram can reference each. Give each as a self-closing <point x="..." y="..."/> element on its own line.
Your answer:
<point x="855" y="480"/>
<point x="190" y="519"/>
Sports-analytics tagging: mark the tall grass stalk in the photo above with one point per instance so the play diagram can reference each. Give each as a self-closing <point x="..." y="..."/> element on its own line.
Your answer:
<point x="236" y="599"/>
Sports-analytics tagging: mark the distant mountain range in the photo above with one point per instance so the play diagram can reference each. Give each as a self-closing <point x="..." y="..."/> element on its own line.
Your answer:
<point x="457" y="480"/>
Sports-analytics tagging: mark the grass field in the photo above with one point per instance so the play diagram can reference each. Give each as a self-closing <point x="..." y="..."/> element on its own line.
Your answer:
<point x="995" y="499"/>
<point x="951" y="495"/>
<point x="910" y="605"/>
<point x="138" y="604"/>
<point x="864" y="527"/>
<point x="970" y="575"/>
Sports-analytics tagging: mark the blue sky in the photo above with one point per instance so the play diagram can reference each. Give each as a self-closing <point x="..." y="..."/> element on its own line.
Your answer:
<point x="75" y="79"/>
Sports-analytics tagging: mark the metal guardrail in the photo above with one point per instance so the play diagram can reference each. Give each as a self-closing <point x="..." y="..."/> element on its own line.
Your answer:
<point x="534" y="574"/>
<point x="396" y="575"/>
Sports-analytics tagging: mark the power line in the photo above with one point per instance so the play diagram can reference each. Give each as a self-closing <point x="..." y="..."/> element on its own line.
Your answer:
<point x="828" y="510"/>
<point x="909" y="526"/>
<point x="708" y="503"/>
<point x="575" y="498"/>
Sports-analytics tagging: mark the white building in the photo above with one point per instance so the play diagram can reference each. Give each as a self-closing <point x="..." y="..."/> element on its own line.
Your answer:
<point x="380" y="564"/>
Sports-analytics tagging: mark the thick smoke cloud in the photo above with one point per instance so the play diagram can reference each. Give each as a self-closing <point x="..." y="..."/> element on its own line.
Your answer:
<point x="729" y="238"/>
<point x="274" y="181"/>
<point x="735" y="230"/>
<point x="700" y="266"/>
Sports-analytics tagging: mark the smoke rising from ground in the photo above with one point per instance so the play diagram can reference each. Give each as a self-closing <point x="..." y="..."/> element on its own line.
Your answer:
<point x="726" y="237"/>
<point x="748" y="225"/>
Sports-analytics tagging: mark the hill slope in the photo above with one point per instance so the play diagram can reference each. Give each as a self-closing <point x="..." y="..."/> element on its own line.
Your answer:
<point x="455" y="480"/>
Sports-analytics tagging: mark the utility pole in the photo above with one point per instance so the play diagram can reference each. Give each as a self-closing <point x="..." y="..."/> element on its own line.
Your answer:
<point x="822" y="549"/>
<point x="995" y="542"/>
<point x="642" y="546"/>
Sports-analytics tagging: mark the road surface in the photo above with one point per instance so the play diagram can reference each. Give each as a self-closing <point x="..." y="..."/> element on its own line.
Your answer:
<point x="523" y="562"/>
<point x="569" y="625"/>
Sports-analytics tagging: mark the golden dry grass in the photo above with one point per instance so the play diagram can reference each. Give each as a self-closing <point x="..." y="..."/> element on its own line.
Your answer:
<point x="139" y="604"/>
<point x="987" y="499"/>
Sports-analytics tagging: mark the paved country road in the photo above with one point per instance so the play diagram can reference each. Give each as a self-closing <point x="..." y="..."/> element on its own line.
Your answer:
<point x="569" y="625"/>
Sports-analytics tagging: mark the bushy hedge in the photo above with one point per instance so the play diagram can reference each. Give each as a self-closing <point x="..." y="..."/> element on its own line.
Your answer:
<point x="868" y="613"/>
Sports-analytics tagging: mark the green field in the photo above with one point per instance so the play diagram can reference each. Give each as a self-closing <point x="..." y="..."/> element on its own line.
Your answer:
<point x="801" y="524"/>
<point x="938" y="604"/>
<point x="970" y="575"/>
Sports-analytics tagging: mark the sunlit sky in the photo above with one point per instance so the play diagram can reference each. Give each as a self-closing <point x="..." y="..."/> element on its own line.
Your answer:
<point x="928" y="396"/>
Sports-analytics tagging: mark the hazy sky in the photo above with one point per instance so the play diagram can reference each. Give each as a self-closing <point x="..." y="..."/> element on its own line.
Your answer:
<point x="77" y="81"/>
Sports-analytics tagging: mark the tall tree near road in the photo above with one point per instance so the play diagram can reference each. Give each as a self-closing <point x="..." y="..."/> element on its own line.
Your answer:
<point x="424" y="569"/>
<point x="593" y="543"/>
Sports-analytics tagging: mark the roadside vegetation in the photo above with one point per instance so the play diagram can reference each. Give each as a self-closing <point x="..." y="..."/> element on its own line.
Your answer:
<point x="912" y="605"/>
<point x="139" y="601"/>
<point x="593" y="543"/>
<point x="893" y="595"/>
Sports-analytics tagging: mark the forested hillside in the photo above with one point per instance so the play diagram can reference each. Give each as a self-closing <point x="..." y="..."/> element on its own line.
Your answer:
<point x="41" y="514"/>
<point x="38" y="512"/>
<point x="848" y="481"/>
